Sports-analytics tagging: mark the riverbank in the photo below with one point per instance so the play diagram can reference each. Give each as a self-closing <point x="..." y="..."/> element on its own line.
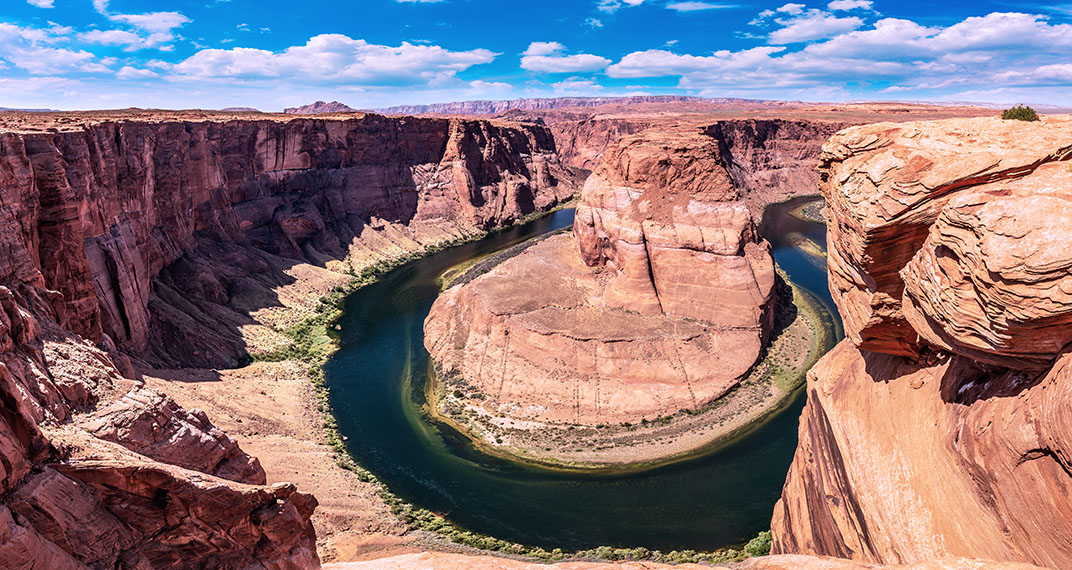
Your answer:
<point x="277" y="409"/>
<point x="802" y="334"/>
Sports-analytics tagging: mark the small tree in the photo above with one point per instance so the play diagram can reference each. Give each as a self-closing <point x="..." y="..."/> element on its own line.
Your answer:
<point x="1020" y="113"/>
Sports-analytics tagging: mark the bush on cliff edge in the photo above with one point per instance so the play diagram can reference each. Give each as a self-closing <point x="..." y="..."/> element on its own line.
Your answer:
<point x="1020" y="113"/>
<point x="760" y="545"/>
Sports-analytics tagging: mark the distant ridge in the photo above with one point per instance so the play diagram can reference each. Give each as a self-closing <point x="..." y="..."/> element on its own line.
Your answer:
<point x="542" y="104"/>
<point x="320" y="107"/>
<point x="240" y="110"/>
<point x="28" y="110"/>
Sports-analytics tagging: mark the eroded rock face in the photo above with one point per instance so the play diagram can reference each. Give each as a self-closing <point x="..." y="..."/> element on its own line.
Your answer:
<point x="663" y="215"/>
<point x="660" y="300"/>
<point x="159" y="238"/>
<point x="940" y="426"/>
<point x="885" y="186"/>
<point x="98" y="213"/>
<point x="150" y="423"/>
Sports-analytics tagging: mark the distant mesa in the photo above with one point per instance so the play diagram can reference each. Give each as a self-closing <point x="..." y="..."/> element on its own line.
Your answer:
<point x="27" y="110"/>
<point x="544" y="104"/>
<point x="240" y="110"/>
<point x="320" y="107"/>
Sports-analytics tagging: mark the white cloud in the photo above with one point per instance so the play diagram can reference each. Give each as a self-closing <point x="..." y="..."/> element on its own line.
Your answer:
<point x="695" y="6"/>
<point x="810" y="26"/>
<point x="126" y="39"/>
<point x="662" y="63"/>
<point x="546" y="57"/>
<point x="41" y="3"/>
<point x="543" y="48"/>
<point x="158" y="27"/>
<point x="33" y="50"/>
<point x="335" y="58"/>
<point x="612" y="6"/>
<point x="845" y="5"/>
<point x="576" y="86"/>
<point x="791" y="9"/>
<point x="892" y="55"/>
<point x="128" y="72"/>
<point x="593" y="23"/>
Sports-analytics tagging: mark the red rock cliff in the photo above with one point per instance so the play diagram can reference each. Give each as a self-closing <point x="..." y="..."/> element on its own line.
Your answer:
<point x="97" y="214"/>
<point x="940" y="426"/>
<point x="120" y="236"/>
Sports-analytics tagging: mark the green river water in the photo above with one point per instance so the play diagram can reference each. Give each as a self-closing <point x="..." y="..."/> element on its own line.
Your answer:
<point x="376" y="382"/>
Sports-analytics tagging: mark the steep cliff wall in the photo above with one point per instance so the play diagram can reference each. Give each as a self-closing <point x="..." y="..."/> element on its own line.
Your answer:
<point x="98" y="213"/>
<point x="158" y="238"/>
<point x="940" y="426"/>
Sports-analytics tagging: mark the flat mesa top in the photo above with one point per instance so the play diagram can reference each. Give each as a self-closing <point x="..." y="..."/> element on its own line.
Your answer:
<point x="69" y="121"/>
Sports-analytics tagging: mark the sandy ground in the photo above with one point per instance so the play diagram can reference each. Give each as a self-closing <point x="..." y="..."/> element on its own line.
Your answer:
<point x="270" y="409"/>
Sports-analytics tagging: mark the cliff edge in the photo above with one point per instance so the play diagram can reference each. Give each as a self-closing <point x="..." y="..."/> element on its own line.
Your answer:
<point x="940" y="426"/>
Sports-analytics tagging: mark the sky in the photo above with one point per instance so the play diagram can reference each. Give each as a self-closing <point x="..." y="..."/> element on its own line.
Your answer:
<point x="271" y="54"/>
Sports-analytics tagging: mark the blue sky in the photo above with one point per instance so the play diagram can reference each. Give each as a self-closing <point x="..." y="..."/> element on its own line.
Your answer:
<point x="269" y="54"/>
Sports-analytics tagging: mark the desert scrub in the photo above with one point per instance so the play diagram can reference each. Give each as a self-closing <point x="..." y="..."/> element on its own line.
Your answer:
<point x="1020" y="113"/>
<point x="760" y="545"/>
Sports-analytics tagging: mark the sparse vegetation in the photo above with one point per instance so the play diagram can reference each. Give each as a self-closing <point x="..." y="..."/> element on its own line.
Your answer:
<point x="760" y="545"/>
<point x="1020" y="113"/>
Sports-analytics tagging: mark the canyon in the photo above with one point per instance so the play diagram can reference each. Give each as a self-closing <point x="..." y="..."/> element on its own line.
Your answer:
<point x="150" y="256"/>
<point x="162" y="239"/>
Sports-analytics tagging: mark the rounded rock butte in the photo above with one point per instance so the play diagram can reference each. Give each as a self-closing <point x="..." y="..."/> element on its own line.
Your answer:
<point x="660" y="300"/>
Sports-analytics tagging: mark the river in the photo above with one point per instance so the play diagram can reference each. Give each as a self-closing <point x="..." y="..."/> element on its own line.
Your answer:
<point x="375" y="383"/>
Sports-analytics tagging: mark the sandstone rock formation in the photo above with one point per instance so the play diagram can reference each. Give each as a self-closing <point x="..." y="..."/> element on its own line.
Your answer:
<point x="318" y="108"/>
<point x="548" y="103"/>
<point x="661" y="300"/>
<point x="155" y="238"/>
<point x="137" y="219"/>
<point x="940" y="425"/>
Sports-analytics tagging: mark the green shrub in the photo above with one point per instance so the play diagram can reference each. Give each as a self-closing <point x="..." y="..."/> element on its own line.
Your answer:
<point x="760" y="545"/>
<point x="1020" y="113"/>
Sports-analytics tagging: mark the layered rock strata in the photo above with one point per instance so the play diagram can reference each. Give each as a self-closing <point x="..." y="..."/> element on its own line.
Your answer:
<point x="940" y="425"/>
<point x="159" y="239"/>
<point x="660" y="300"/>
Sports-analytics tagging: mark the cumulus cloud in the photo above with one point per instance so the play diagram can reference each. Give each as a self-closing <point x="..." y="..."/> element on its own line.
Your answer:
<point x="547" y="57"/>
<point x="335" y="58"/>
<point x="811" y="25"/>
<point x="576" y="86"/>
<point x="846" y="5"/>
<point x="791" y="9"/>
<point x="612" y="6"/>
<point x="157" y="27"/>
<point x="895" y="55"/>
<point x="41" y="3"/>
<point x="35" y="51"/>
<point x="128" y="72"/>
